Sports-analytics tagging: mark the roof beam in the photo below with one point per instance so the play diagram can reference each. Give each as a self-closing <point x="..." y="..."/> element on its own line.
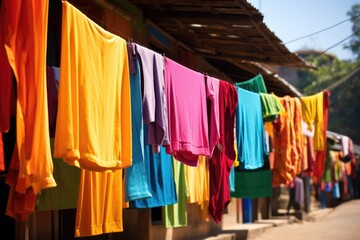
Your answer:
<point x="203" y="17"/>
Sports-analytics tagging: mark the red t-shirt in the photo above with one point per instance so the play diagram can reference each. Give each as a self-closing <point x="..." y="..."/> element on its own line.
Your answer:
<point x="224" y="154"/>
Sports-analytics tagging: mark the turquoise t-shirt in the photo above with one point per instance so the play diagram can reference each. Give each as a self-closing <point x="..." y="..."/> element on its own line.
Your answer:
<point x="136" y="185"/>
<point x="232" y="179"/>
<point x="159" y="172"/>
<point x="250" y="130"/>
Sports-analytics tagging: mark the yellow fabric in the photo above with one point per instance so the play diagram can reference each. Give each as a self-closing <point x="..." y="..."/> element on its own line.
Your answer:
<point x="93" y="128"/>
<point x="236" y="162"/>
<point x="125" y="204"/>
<point x="269" y="128"/>
<point x="198" y="186"/>
<point x="100" y="202"/>
<point x="204" y="211"/>
<point x="198" y="181"/>
<point x="312" y="110"/>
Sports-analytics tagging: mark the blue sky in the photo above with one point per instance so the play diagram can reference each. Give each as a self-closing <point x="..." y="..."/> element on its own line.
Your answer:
<point x="291" y="19"/>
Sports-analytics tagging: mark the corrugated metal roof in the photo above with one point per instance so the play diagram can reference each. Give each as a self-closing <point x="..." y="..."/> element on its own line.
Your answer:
<point x="229" y="34"/>
<point x="230" y="30"/>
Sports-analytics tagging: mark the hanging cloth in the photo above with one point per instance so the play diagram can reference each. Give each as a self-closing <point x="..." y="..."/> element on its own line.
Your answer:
<point x="160" y="179"/>
<point x="23" y="50"/>
<point x="224" y="153"/>
<point x="250" y="130"/>
<point x="299" y="191"/>
<point x="199" y="192"/>
<point x="136" y="185"/>
<point x="20" y="203"/>
<point x="288" y="142"/>
<point x="93" y="128"/>
<point x="65" y="194"/>
<point x="212" y="95"/>
<point x="270" y="106"/>
<point x="2" y="159"/>
<point x="8" y="16"/>
<point x="154" y="100"/>
<point x="52" y="88"/>
<point x="253" y="183"/>
<point x="187" y="113"/>
<point x="255" y="84"/>
<point x="321" y="155"/>
<point x="312" y="110"/>
<point x="175" y="215"/>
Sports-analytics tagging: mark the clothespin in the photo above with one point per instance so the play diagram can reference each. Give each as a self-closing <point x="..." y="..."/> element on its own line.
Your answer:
<point x="205" y="77"/>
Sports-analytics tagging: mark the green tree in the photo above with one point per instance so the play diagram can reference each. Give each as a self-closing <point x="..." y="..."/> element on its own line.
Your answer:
<point x="354" y="44"/>
<point x="329" y="69"/>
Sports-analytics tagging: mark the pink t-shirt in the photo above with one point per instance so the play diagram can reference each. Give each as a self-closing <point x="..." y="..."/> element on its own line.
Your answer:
<point x="187" y="113"/>
<point x="212" y="94"/>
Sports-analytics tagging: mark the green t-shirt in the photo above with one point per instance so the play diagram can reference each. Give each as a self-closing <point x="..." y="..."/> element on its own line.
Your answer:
<point x="175" y="215"/>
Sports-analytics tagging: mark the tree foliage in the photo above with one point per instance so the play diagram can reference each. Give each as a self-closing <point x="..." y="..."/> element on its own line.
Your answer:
<point x="329" y="69"/>
<point x="354" y="44"/>
<point x="344" y="114"/>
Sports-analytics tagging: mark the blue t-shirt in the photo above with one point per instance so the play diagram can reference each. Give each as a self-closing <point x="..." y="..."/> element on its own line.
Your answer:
<point x="232" y="179"/>
<point x="161" y="182"/>
<point x="136" y="183"/>
<point x="250" y="134"/>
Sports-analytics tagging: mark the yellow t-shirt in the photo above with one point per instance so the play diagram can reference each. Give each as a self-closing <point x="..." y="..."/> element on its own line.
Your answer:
<point x="93" y="128"/>
<point x="312" y="110"/>
<point x="198" y="186"/>
<point x="100" y="203"/>
<point x="197" y="181"/>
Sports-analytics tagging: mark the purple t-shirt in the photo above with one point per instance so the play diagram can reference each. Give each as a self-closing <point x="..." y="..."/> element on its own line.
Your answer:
<point x="154" y="100"/>
<point x="187" y="113"/>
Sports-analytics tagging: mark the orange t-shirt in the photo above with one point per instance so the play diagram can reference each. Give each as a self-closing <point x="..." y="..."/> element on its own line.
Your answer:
<point x="288" y="142"/>
<point x="24" y="37"/>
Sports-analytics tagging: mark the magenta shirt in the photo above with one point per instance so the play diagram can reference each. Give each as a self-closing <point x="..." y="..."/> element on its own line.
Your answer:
<point x="187" y="113"/>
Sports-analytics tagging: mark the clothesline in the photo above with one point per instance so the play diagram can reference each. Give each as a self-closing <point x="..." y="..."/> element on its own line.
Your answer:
<point x="180" y="112"/>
